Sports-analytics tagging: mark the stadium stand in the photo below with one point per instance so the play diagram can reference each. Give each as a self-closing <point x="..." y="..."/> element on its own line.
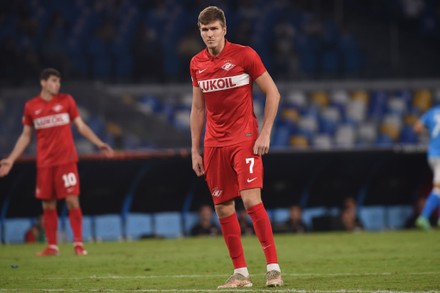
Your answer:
<point x="124" y="63"/>
<point x="125" y="41"/>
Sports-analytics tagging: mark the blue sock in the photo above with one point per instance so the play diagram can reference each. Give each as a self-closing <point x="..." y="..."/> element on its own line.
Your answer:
<point x="431" y="203"/>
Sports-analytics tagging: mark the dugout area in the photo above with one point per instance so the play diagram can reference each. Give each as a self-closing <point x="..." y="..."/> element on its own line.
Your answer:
<point x="157" y="194"/>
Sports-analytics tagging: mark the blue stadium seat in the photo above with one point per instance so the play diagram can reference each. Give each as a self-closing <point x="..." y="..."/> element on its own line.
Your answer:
<point x="168" y="224"/>
<point x="345" y="135"/>
<point x="280" y="215"/>
<point x="322" y="141"/>
<point x="181" y="119"/>
<point x="378" y="104"/>
<point x="396" y="216"/>
<point x="138" y="225"/>
<point x="405" y="95"/>
<point x="396" y="106"/>
<point x="408" y="136"/>
<point x="108" y="227"/>
<point x="281" y="136"/>
<point x="15" y="228"/>
<point x="150" y="104"/>
<point x="373" y="217"/>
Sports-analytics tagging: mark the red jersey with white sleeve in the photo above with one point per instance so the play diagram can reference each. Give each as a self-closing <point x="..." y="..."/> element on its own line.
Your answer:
<point x="51" y="121"/>
<point x="226" y="82"/>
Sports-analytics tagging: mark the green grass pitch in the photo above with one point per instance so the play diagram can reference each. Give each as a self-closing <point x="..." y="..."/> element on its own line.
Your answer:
<point x="394" y="261"/>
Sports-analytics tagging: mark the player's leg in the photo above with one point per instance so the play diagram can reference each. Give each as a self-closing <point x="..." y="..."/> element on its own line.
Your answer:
<point x="219" y="176"/>
<point x="232" y="235"/>
<point x="433" y="200"/>
<point x="50" y="224"/>
<point x="263" y="229"/>
<point x="44" y="191"/>
<point x="75" y="220"/>
<point x="68" y="187"/>
<point x="249" y="169"/>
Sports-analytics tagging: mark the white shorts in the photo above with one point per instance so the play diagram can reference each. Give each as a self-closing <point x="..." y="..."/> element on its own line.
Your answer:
<point x="435" y="166"/>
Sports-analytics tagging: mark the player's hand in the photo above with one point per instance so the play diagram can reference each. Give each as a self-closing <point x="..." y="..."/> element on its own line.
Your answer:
<point x="5" y="167"/>
<point x="262" y="145"/>
<point x="107" y="150"/>
<point x="197" y="164"/>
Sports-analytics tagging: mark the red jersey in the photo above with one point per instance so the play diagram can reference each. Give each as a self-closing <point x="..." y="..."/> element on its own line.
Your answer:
<point x="226" y="82"/>
<point x="51" y="120"/>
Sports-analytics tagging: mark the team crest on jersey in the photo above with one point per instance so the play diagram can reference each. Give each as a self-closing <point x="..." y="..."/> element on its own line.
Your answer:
<point x="228" y="66"/>
<point x="57" y="108"/>
<point x="216" y="192"/>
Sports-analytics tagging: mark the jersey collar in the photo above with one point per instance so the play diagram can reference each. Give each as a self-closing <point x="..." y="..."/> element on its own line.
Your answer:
<point x="225" y="48"/>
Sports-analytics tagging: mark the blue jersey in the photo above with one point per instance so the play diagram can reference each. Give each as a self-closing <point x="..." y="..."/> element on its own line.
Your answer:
<point x="431" y="120"/>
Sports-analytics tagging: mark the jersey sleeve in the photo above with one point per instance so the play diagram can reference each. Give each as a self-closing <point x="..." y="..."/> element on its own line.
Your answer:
<point x="73" y="108"/>
<point x="27" y="118"/>
<point x="426" y="118"/>
<point x="253" y="64"/>
<point x="192" y="72"/>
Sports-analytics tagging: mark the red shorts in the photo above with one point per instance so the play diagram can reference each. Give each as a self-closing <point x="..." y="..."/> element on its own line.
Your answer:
<point x="230" y="169"/>
<point x="57" y="182"/>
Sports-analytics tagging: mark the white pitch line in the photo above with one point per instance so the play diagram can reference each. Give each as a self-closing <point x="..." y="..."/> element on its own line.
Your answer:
<point x="217" y="290"/>
<point x="305" y="275"/>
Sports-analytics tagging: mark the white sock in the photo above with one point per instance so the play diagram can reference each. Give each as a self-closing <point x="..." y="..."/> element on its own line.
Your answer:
<point x="273" y="267"/>
<point x="243" y="271"/>
<point x="53" y="246"/>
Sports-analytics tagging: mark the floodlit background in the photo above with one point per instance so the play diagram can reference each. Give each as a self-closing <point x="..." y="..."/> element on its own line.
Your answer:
<point x="354" y="77"/>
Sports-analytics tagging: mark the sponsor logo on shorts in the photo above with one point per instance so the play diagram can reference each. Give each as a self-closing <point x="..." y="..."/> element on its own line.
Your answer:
<point x="216" y="192"/>
<point x="249" y="180"/>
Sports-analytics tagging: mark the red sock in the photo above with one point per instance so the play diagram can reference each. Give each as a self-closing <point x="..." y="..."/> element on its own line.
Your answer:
<point x="232" y="235"/>
<point x="75" y="218"/>
<point x="50" y="223"/>
<point x="263" y="229"/>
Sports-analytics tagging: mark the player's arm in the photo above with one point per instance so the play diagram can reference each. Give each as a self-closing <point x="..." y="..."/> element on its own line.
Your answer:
<point x="197" y="119"/>
<point x="419" y="127"/>
<point x="22" y="142"/>
<point x="270" y="90"/>
<point x="88" y="133"/>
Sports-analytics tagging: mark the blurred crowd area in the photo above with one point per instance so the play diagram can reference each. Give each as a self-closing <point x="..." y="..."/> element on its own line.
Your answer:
<point x="344" y="116"/>
<point x="328" y="118"/>
<point x="137" y="41"/>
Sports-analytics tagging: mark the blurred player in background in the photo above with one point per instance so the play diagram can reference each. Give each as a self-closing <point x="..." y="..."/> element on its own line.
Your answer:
<point x="50" y="114"/>
<point x="222" y="78"/>
<point x="431" y="121"/>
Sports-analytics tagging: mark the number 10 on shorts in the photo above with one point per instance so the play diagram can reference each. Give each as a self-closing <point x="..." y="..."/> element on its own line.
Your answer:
<point x="69" y="179"/>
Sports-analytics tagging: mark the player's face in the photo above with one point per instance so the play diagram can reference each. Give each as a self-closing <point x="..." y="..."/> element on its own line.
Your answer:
<point x="213" y="35"/>
<point x="51" y="85"/>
